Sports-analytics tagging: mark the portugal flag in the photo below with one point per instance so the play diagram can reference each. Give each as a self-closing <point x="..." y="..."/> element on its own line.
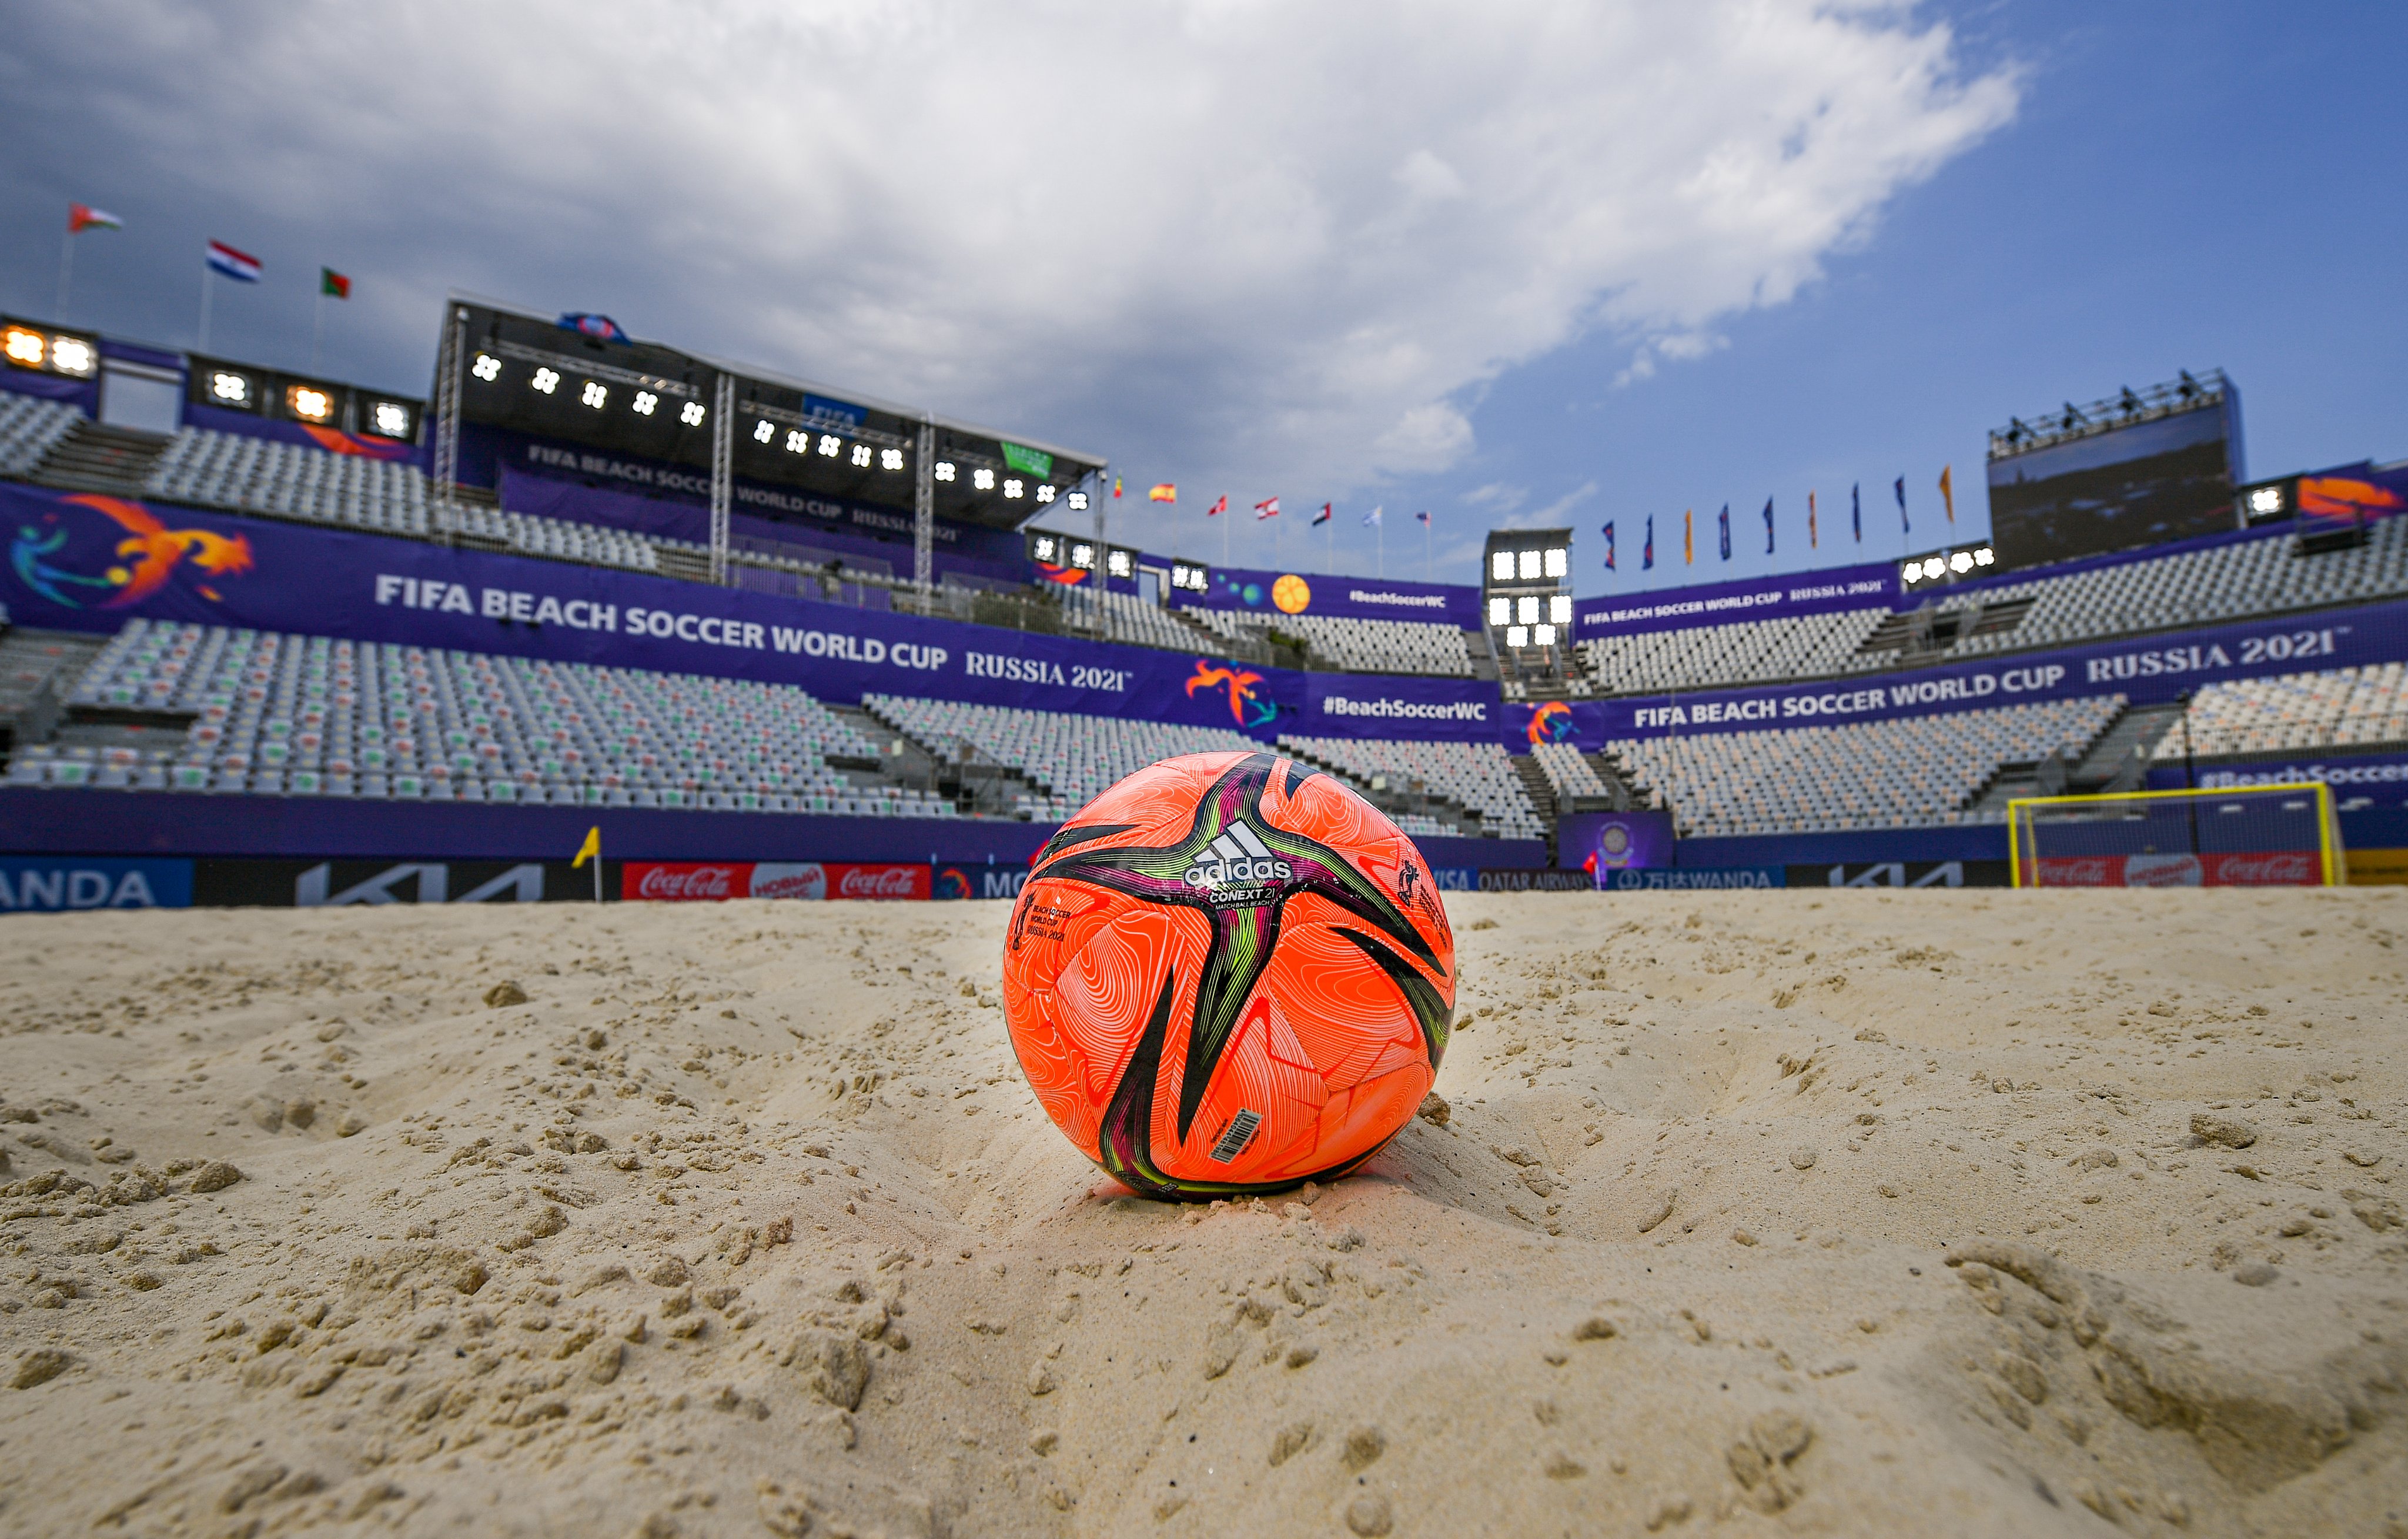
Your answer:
<point x="334" y="285"/>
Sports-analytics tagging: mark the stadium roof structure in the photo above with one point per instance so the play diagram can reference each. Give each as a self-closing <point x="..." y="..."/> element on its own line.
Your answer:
<point x="645" y="397"/>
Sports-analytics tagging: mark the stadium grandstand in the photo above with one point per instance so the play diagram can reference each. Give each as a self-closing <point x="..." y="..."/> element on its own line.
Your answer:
<point x="630" y="580"/>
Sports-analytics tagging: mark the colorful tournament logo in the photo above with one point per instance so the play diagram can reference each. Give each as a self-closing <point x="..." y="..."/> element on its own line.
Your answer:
<point x="1551" y="722"/>
<point x="1613" y="847"/>
<point x="951" y="885"/>
<point x="1246" y="707"/>
<point x="1292" y="594"/>
<point x="127" y="564"/>
<point x="1063" y="575"/>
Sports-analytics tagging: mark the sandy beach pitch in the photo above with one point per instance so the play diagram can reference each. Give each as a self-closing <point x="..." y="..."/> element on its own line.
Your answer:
<point x="1921" y="1213"/>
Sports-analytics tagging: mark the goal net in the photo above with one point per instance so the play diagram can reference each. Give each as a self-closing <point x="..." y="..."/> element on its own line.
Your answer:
<point x="2258" y="837"/>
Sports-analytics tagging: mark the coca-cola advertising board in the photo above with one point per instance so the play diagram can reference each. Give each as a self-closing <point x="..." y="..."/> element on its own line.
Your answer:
<point x="2229" y="869"/>
<point x="717" y="881"/>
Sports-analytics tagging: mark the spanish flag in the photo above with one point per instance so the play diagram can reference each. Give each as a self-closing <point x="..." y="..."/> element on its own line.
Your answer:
<point x="1165" y="492"/>
<point x="1688" y="537"/>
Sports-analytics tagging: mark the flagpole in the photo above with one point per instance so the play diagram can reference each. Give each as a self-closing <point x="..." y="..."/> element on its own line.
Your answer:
<point x="317" y="323"/>
<point x="1426" y="549"/>
<point x="66" y="266"/>
<point x="1383" y="527"/>
<point x="204" y="309"/>
<point x="1224" y="535"/>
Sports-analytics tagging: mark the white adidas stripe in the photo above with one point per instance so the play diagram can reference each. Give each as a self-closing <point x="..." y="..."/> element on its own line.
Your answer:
<point x="1253" y="846"/>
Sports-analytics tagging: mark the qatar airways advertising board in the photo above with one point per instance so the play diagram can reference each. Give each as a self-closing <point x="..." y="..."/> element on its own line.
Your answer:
<point x="717" y="881"/>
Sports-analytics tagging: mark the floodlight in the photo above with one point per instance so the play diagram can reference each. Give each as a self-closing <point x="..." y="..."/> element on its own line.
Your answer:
<point x="645" y="402"/>
<point x="25" y="347"/>
<point x="1558" y="561"/>
<point x="1961" y="562"/>
<point x="1559" y="608"/>
<point x="829" y="444"/>
<point x="1525" y="608"/>
<point x="73" y="355"/>
<point x="545" y="380"/>
<point x="1544" y="636"/>
<point x="1045" y="494"/>
<point x="890" y="459"/>
<point x="1082" y="555"/>
<point x="1500" y="611"/>
<point x="231" y="388"/>
<point x="1911" y="573"/>
<point x="1500" y="566"/>
<point x="691" y="413"/>
<point x="1044" y="548"/>
<point x="596" y="394"/>
<point x="1517" y="636"/>
<point x="2262" y="500"/>
<point x="309" y="403"/>
<point x="1119" y="563"/>
<point x="1011" y="487"/>
<point x="763" y="430"/>
<point x="862" y="455"/>
<point x="798" y="441"/>
<point x="944" y="470"/>
<point x="389" y="419"/>
<point x="1934" y="567"/>
<point x="1983" y="556"/>
<point x="982" y="478"/>
<point x="487" y="368"/>
<point x="1078" y="502"/>
<point x="1529" y="563"/>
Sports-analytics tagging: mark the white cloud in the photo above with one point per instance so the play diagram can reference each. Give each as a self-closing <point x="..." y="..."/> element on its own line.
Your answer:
<point x="1250" y="245"/>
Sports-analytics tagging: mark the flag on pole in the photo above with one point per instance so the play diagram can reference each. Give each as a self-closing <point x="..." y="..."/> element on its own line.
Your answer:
<point x="1725" y="528"/>
<point x="1165" y="491"/>
<point x="1422" y="517"/>
<point x="1323" y="519"/>
<point x="1856" y="510"/>
<point x="334" y="285"/>
<point x="591" y="849"/>
<point x="83" y="216"/>
<point x="1647" y="552"/>
<point x="1371" y="518"/>
<point x="1116" y="486"/>
<point x="1767" y="525"/>
<point x="1688" y="536"/>
<point x="1905" y="523"/>
<point x="1609" y="545"/>
<point x="1813" y="540"/>
<point x="1267" y="508"/>
<point x="1220" y="506"/>
<point x="601" y="328"/>
<point x="1948" y="493"/>
<point x="239" y="266"/>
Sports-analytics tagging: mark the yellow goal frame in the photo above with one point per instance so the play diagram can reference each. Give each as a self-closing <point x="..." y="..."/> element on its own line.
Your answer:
<point x="2328" y="845"/>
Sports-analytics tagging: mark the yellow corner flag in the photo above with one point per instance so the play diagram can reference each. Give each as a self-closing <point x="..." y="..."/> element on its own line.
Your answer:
<point x="1949" y="493"/>
<point x="591" y="849"/>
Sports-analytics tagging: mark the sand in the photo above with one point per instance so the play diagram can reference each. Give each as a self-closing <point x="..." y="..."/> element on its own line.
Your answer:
<point x="1839" y="1213"/>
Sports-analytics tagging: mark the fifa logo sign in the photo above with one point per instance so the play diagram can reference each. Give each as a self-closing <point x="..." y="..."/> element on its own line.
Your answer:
<point x="1236" y="858"/>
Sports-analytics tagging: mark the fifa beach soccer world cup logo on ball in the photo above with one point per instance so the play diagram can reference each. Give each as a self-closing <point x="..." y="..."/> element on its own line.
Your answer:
<point x="1292" y="595"/>
<point x="1228" y="975"/>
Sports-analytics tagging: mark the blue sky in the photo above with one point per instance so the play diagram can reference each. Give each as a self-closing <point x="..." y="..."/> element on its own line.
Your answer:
<point x="1543" y="263"/>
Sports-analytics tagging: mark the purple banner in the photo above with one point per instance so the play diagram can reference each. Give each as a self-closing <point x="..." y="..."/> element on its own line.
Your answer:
<point x="86" y="562"/>
<point x="1605" y="843"/>
<point x="2382" y="778"/>
<point x="2149" y="671"/>
<point x="1278" y="593"/>
<point x="1779" y="597"/>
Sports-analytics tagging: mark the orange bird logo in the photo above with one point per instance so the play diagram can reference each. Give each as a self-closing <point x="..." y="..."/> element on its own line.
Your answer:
<point x="1245" y="708"/>
<point x="150" y="551"/>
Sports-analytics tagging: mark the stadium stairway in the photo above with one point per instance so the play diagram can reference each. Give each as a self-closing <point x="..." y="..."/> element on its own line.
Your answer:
<point x="2116" y="760"/>
<point x="97" y="459"/>
<point x="38" y="670"/>
<point x="1542" y="796"/>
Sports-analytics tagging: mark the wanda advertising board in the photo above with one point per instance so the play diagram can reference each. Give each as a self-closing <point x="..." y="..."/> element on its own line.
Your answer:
<point x="717" y="881"/>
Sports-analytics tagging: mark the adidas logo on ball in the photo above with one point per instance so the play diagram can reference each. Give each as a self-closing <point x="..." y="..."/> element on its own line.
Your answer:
<point x="1234" y="858"/>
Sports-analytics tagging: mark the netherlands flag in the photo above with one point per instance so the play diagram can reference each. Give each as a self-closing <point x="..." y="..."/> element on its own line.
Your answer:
<point x="238" y="265"/>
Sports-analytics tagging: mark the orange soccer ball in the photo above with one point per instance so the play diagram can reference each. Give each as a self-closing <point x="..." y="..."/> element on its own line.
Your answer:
<point x="1228" y="975"/>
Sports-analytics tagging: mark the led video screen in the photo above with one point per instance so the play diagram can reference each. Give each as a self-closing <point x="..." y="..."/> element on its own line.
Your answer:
<point x="2165" y="478"/>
